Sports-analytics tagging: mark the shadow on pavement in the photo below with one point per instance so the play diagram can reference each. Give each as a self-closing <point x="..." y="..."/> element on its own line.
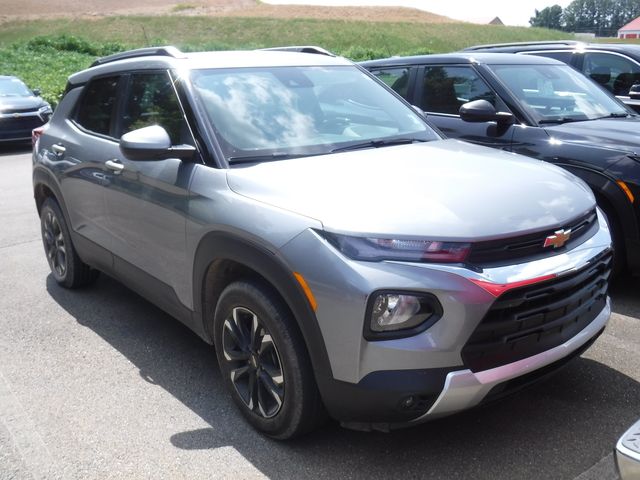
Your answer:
<point x="557" y="429"/>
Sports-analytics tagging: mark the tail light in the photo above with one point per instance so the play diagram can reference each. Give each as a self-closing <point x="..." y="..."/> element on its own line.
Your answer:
<point x="36" y="133"/>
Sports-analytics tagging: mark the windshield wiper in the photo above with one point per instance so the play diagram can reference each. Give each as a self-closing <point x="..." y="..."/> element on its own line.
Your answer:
<point x="377" y="144"/>
<point x="561" y="120"/>
<point x="262" y="158"/>
<point x="616" y="115"/>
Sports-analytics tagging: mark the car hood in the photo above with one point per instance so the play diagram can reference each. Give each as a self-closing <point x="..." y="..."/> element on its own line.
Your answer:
<point x="440" y="190"/>
<point x="20" y="103"/>
<point x="615" y="133"/>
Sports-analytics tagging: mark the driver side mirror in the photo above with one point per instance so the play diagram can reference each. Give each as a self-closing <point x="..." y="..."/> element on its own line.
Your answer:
<point x="36" y="92"/>
<point x="482" y="111"/>
<point x="634" y="91"/>
<point x="153" y="143"/>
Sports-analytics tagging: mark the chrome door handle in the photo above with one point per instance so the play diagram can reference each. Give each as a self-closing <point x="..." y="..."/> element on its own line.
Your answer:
<point x="58" y="149"/>
<point x="115" y="165"/>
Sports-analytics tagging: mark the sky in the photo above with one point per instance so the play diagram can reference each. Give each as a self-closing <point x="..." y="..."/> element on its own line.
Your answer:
<point x="511" y="12"/>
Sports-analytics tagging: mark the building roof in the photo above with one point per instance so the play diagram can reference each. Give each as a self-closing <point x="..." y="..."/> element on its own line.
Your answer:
<point x="632" y="25"/>
<point x="496" y="21"/>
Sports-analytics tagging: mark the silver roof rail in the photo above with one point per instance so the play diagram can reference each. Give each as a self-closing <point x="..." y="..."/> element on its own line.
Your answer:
<point x="302" y="49"/>
<point x="167" y="51"/>
<point x="522" y="44"/>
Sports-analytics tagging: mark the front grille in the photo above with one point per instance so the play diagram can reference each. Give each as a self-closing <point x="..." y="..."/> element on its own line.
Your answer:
<point x="529" y="320"/>
<point x="531" y="246"/>
<point x="18" y="127"/>
<point x="19" y="110"/>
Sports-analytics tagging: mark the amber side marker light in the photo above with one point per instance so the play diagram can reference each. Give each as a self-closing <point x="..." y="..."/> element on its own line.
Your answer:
<point x="307" y="291"/>
<point x="626" y="190"/>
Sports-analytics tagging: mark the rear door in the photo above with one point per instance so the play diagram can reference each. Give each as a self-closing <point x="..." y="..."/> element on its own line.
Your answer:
<point x="85" y="147"/>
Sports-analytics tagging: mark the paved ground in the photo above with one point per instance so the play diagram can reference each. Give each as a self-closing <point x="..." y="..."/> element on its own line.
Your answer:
<point x="100" y="384"/>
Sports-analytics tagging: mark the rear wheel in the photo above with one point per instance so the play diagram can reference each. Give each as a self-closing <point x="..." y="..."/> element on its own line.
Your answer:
<point x="264" y="361"/>
<point x="66" y="267"/>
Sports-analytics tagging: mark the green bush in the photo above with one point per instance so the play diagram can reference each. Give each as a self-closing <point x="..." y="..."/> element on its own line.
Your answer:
<point x="70" y="43"/>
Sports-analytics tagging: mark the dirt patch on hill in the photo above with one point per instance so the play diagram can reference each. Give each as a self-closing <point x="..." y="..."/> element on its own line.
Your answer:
<point x="32" y="9"/>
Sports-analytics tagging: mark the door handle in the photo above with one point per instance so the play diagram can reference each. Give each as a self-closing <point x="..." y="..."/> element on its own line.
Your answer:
<point x="58" y="149"/>
<point x="114" y="165"/>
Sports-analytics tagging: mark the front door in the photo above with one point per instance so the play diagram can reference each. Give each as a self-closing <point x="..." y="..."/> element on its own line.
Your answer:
<point x="442" y="90"/>
<point x="147" y="200"/>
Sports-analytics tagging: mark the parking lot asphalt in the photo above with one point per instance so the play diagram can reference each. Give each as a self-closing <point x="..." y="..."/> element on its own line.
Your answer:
<point x="98" y="383"/>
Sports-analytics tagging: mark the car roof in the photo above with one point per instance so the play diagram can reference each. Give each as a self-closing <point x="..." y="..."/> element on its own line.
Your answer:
<point x="463" y="57"/>
<point x="203" y="60"/>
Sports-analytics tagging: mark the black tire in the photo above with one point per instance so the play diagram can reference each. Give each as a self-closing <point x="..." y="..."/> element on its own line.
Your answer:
<point x="257" y="342"/>
<point x="66" y="267"/>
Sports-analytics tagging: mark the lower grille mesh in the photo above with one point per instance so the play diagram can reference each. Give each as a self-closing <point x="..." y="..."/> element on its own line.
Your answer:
<point x="529" y="320"/>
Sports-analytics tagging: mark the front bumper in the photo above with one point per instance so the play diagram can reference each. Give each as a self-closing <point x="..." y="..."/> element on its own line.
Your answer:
<point x="387" y="383"/>
<point x="465" y="389"/>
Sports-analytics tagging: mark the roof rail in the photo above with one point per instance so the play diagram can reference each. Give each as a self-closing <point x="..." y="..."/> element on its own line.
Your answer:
<point x="519" y="44"/>
<point x="302" y="49"/>
<point x="167" y="51"/>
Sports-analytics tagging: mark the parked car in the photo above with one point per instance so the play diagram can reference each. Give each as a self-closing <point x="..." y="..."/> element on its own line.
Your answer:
<point x="21" y="110"/>
<point x="301" y="217"/>
<point x="615" y="66"/>
<point x="628" y="454"/>
<point x="538" y="107"/>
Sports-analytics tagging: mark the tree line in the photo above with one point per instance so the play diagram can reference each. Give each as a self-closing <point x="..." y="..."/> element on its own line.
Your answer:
<point x="602" y="17"/>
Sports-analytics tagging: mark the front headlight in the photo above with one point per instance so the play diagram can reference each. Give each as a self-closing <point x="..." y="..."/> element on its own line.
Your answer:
<point x="379" y="249"/>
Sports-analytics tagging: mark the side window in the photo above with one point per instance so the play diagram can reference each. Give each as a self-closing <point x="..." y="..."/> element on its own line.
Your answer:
<point x="562" y="56"/>
<point x="152" y="101"/>
<point x="396" y="78"/>
<point x="98" y="104"/>
<point x="617" y="74"/>
<point x="446" y="89"/>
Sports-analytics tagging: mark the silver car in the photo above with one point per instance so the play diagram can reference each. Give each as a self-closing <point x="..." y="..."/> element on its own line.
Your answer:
<point x="341" y="256"/>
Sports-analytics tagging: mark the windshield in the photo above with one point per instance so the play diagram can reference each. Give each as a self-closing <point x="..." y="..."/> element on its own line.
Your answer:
<point x="12" y="87"/>
<point x="558" y="93"/>
<point x="283" y="112"/>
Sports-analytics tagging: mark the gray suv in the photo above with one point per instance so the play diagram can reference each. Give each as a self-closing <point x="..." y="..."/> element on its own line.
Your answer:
<point x="341" y="256"/>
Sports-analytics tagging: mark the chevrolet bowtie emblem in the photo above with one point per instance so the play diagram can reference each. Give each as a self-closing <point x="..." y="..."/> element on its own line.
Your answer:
<point x="558" y="239"/>
<point x="16" y="115"/>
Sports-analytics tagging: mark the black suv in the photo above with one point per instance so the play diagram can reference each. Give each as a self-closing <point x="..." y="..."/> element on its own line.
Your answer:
<point x="21" y="110"/>
<point x="614" y="66"/>
<point x="538" y="107"/>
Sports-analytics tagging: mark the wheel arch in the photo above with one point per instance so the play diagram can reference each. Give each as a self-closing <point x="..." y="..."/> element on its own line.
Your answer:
<point x="222" y="258"/>
<point x="614" y="202"/>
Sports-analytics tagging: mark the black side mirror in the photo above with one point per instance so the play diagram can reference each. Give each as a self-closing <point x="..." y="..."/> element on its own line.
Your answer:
<point x="634" y="91"/>
<point x="482" y="111"/>
<point x="36" y="92"/>
<point x="153" y="143"/>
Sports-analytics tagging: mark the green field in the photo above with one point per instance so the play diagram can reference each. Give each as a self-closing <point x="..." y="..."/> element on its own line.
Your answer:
<point x="45" y="52"/>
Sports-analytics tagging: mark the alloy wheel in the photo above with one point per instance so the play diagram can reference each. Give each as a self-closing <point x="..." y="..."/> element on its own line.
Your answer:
<point x="254" y="364"/>
<point x="54" y="244"/>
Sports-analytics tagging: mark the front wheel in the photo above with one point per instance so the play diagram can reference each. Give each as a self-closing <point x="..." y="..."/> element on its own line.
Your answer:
<point x="264" y="361"/>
